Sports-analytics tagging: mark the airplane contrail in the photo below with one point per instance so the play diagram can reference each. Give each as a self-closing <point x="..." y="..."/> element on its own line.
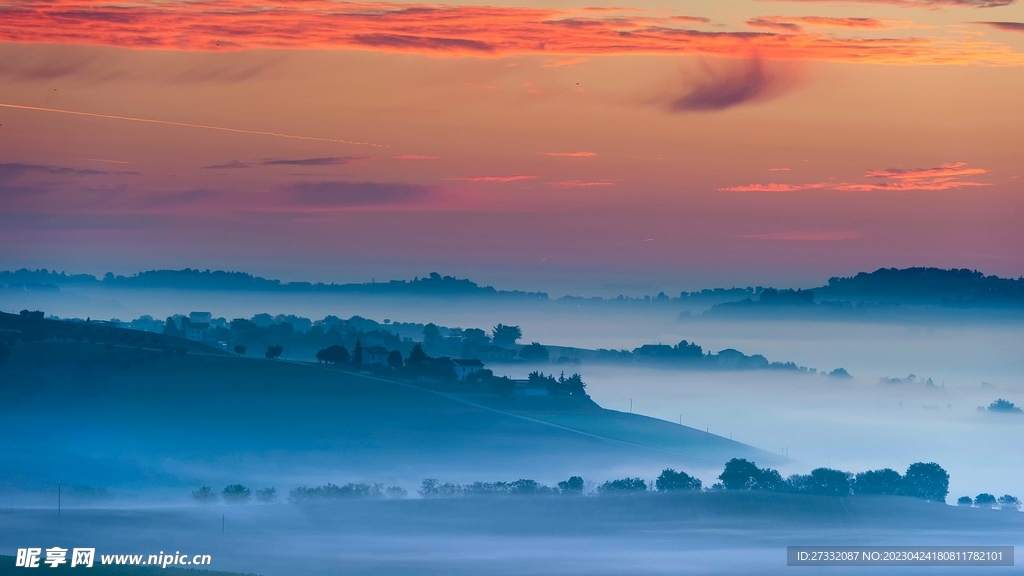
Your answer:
<point x="189" y="125"/>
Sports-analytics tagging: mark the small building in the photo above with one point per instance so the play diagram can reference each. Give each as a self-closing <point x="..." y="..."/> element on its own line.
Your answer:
<point x="200" y="318"/>
<point x="376" y="355"/>
<point x="197" y="331"/>
<point x="465" y="367"/>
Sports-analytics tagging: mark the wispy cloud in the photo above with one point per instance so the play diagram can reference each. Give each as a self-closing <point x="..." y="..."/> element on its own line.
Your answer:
<point x="931" y="4"/>
<point x="570" y="154"/>
<point x="563" y="62"/>
<point x="797" y="23"/>
<point x="581" y="184"/>
<point x="948" y="176"/>
<point x="453" y="30"/>
<point x="798" y="236"/>
<point x="1006" y="26"/>
<point x="493" y="179"/>
<point x="414" y="157"/>
<point x="323" y="161"/>
<point x="12" y="170"/>
<point x="731" y="84"/>
<point x="342" y="194"/>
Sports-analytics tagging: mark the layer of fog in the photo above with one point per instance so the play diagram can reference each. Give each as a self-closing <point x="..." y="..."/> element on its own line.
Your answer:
<point x="689" y="534"/>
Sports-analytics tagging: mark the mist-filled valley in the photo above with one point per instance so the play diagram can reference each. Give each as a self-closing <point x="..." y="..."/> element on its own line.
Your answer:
<point x="133" y="427"/>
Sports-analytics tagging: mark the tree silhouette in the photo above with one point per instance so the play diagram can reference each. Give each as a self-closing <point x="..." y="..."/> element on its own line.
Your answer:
<point x="985" y="500"/>
<point x="205" y="495"/>
<point x="273" y="352"/>
<point x="506" y="336"/>
<point x="236" y="494"/>
<point x="624" y="485"/>
<point x="1007" y="502"/>
<point x="417" y="356"/>
<point x="885" y="481"/>
<point x="742" y="474"/>
<point x="395" y="359"/>
<point x="333" y="354"/>
<point x="534" y="353"/>
<point x="964" y="501"/>
<point x="671" y="481"/>
<point x="239" y="349"/>
<point x="573" y="485"/>
<point x="357" y="353"/>
<point x="927" y="481"/>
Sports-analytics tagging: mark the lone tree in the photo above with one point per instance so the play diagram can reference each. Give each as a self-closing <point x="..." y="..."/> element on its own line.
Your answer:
<point x="742" y="474"/>
<point x="506" y="336"/>
<point x="573" y="485"/>
<point x="964" y="501"/>
<point x="671" y="481"/>
<point x="205" y="495"/>
<point x="357" y="353"/>
<point x="239" y="349"/>
<point x="273" y="352"/>
<point x="395" y="359"/>
<point x="927" y="481"/>
<point x="236" y="494"/>
<point x="879" y="482"/>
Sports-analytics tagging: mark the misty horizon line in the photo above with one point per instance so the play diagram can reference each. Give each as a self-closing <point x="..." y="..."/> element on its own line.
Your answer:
<point x="432" y="283"/>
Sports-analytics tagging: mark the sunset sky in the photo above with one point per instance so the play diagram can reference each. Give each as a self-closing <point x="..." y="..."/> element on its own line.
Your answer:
<point x="559" y="145"/>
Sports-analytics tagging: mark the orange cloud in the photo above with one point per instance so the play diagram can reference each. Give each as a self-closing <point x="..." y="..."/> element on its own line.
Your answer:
<point x="948" y="176"/>
<point x="446" y="30"/>
<point x="571" y="154"/>
<point x="580" y="184"/>
<point x="795" y="23"/>
<point x="497" y="179"/>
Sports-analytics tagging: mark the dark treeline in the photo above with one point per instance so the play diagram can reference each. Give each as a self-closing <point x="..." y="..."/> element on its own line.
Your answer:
<point x="925" y="481"/>
<point x="933" y="286"/>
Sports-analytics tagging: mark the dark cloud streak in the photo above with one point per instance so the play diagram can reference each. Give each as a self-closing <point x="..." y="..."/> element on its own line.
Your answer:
<point x="732" y="85"/>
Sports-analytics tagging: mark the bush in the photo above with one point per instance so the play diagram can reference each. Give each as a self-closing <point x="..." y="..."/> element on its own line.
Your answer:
<point x="236" y="494"/>
<point x="205" y="495"/>
<point x="1007" y="502"/>
<point x="239" y="349"/>
<point x="985" y="500"/>
<point x="623" y="486"/>
<point x="964" y="501"/>
<point x="266" y="495"/>
<point x="273" y="352"/>
<point x="671" y="481"/>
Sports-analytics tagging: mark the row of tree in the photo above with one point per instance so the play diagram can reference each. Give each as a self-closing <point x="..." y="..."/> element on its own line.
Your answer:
<point x="986" y="500"/>
<point x="234" y="494"/>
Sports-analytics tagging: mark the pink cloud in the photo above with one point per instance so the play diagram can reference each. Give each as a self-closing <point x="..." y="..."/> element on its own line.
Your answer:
<point x="496" y="179"/>
<point x="571" y="154"/>
<point x="580" y="184"/>
<point x="948" y="176"/>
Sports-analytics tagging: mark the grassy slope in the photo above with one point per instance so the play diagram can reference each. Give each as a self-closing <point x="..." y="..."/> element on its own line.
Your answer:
<point x="120" y="417"/>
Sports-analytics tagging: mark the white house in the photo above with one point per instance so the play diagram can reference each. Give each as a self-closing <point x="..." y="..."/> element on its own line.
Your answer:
<point x="197" y="331"/>
<point x="465" y="367"/>
<point x="200" y="317"/>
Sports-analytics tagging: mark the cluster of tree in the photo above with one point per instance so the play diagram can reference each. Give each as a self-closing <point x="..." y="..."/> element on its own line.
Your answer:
<point x="234" y="494"/>
<point x="431" y="488"/>
<point x="986" y="500"/>
<point x="910" y="379"/>
<point x="350" y="491"/>
<point x="561" y="386"/>
<point x="692" y="355"/>
<point x="1004" y="406"/>
<point x="927" y="481"/>
<point x="190" y="279"/>
<point x="927" y="286"/>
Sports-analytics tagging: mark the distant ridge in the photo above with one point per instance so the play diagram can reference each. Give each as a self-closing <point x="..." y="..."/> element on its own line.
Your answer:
<point x="929" y="286"/>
